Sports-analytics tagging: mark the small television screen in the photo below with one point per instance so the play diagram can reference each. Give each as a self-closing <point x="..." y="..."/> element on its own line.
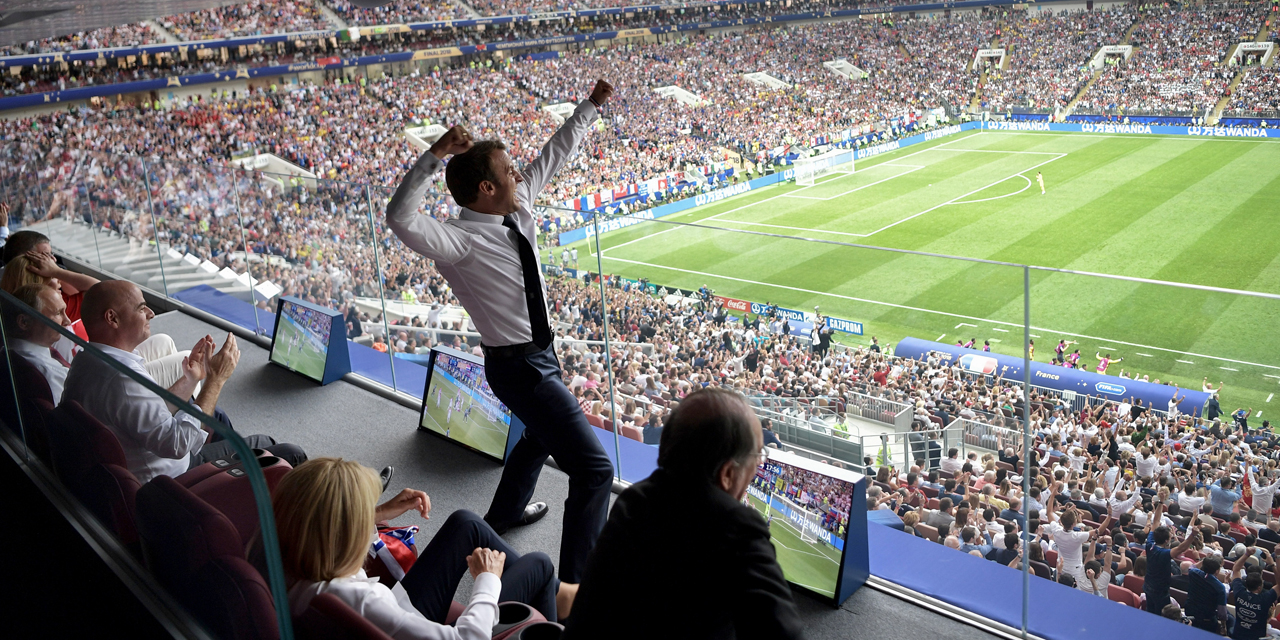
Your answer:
<point x="807" y="508"/>
<point x="459" y="405"/>
<point x="301" y="341"/>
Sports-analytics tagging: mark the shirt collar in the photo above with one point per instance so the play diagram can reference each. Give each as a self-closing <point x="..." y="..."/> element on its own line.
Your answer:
<point x="476" y="216"/>
<point x="120" y="354"/>
<point x="30" y="348"/>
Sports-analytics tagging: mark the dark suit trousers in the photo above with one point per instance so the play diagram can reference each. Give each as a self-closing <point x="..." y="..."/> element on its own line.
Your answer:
<point x="531" y="386"/>
<point x="433" y="578"/>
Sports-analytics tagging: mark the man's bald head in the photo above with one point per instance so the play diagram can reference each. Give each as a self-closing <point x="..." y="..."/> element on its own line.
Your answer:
<point x="115" y="313"/>
<point x="710" y="428"/>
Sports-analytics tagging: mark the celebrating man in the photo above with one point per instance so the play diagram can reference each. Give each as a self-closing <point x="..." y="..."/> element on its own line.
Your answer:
<point x="488" y="257"/>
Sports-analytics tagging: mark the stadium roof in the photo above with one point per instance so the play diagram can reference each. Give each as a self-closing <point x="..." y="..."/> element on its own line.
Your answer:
<point x="25" y="20"/>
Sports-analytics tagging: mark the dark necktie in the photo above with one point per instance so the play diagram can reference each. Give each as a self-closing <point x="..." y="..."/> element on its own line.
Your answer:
<point x="58" y="356"/>
<point x="538" y="323"/>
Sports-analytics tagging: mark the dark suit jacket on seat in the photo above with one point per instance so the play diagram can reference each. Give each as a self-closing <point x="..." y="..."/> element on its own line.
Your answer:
<point x="682" y="559"/>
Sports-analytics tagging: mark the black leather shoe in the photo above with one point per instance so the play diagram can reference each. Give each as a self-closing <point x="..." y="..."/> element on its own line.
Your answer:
<point x="386" y="474"/>
<point x="532" y="513"/>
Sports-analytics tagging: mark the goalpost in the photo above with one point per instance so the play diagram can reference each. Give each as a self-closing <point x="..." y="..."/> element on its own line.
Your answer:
<point x="809" y="520"/>
<point x="808" y="170"/>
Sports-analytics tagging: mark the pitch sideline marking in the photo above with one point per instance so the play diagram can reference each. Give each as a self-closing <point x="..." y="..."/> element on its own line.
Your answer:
<point x="1270" y="396"/>
<point x="948" y="313"/>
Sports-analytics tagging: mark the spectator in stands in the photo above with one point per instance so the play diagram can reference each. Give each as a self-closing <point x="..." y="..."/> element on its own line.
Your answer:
<point x="325" y="510"/>
<point x="34" y="340"/>
<point x="1205" y="593"/>
<point x="157" y="440"/>
<point x="1223" y="498"/>
<point x="1160" y="560"/>
<point x="952" y="463"/>
<point x="1253" y="605"/>
<point x="770" y="438"/>
<point x="709" y="454"/>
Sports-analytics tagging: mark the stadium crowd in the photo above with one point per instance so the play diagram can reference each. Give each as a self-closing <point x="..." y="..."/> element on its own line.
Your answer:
<point x="1048" y="56"/>
<point x="1257" y="95"/>
<point x="257" y="17"/>
<point x="1174" y="66"/>
<point x="128" y="35"/>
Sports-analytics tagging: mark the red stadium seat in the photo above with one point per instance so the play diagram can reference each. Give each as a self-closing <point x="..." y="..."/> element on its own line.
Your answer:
<point x="115" y="503"/>
<point x="197" y="555"/>
<point x="927" y="532"/>
<point x="929" y="492"/>
<point x="1051" y="558"/>
<point x="633" y="433"/>
<point x="1042" y="570"/>
<point x="231" y="494"/>
<point x="328" y="618"/>
<point x="25" y="418"/>
<point x="595" y="421"/>
<point x="514" y="616"/>
<point x="933" y="504"/>
<point x="1123" y="596"/>
<point x="1134" y="583"/>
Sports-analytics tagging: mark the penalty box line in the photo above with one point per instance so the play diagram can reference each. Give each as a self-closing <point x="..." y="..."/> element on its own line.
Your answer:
<point x="605" y="251"/>
<point x="956" y="200"/>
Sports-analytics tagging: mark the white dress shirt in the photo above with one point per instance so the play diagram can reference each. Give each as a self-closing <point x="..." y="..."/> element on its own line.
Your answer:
<point x="476" y="253"/>
<point x="391" y="611"/>
<point x="55" y="373"/>
<point x="1263" y="495"/>
<point x="156" y="441"/>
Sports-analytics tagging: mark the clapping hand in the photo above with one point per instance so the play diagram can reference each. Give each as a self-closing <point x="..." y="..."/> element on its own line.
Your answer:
<point x="196" y="365"/>
<point x="223" y="363"/>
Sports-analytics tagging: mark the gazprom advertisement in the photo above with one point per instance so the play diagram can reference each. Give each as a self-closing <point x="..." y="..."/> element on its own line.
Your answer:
<point x="1054" y="377"/>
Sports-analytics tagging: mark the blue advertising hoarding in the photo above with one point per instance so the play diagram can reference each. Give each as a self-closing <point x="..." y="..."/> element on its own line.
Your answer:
<point x="1055" y="377"/>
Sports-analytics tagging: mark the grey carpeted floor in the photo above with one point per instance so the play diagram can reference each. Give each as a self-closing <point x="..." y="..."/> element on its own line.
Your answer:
<point x="343" y="420"/>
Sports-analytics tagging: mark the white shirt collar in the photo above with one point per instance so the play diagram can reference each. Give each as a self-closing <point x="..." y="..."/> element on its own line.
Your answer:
<point x="476" y="216"/>
<point x="30" y="348"/>
<point x="120" y="354"/>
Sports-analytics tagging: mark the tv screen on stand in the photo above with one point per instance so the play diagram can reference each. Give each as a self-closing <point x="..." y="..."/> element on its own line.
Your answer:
<point x="811" y="507"/>
<point x="459" y="405"/>
<point x="302" y="341"/>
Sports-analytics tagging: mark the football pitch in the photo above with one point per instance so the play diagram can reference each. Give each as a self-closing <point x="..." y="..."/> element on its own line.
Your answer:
<point x="1203" y="211"/>
<point x="813" y="565"/>
<point x="302" y="357"/>
<point x="476" y="431"/>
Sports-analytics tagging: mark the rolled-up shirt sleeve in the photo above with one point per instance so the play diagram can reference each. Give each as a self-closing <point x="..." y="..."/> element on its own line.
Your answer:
<point x="557" y="151"/>
<point x="424" y="234"/>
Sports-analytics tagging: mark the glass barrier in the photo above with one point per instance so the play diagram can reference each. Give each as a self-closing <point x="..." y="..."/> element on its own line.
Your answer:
<point x="918" y="355"/>
<point x="65" y="400"/>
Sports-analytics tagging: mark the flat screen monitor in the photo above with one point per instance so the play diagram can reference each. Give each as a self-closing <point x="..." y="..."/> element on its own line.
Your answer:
<point x="811" y="508"/>
<point x="302" y="340"/>
<point x="459" y="405"/>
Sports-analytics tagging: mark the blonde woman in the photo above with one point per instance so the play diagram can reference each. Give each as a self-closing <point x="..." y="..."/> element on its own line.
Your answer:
<point x="325" y="512"/>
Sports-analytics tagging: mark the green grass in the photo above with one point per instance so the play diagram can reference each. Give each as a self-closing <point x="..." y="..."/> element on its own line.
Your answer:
<point x="1169" y="208"/>
<point x="813" y="565"/>
<point x="304" y="357"/>
<point x="476" y="431"/>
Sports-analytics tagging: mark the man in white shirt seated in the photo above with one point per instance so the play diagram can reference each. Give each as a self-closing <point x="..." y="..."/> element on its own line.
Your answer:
<point x="157" y="438"/>
<point x="34" y="340"/>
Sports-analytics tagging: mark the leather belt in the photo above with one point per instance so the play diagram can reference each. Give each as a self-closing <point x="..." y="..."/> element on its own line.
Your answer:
<point x="511" y="350"/>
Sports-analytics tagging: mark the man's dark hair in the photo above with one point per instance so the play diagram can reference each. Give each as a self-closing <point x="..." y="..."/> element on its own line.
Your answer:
<point x="1253" y="581"/>
<point x="1211" y="565"/>
<point x="765" y="423"/>
<point x="1172" y="611"/>
<point x="466" y="171"/>
<point x="21" y="242"/>
<point x="711" y="426"/>
<point x="944" y="504"/>
<point x="1161" y="536"/>
<point x="1011" y="541"/>
<point x="953" y="452"/>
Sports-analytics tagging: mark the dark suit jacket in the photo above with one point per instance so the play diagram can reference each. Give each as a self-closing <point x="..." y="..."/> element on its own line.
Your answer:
<point x="704" y="556"/>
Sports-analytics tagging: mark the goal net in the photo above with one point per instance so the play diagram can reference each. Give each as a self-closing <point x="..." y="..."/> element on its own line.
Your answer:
<point x="803" y="520"/>
<point x="808" y="170"/>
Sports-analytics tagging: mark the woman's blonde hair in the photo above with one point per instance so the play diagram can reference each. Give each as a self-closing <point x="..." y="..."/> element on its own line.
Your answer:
<point x="325" y="518"/>
<point x="17" y="275"/>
